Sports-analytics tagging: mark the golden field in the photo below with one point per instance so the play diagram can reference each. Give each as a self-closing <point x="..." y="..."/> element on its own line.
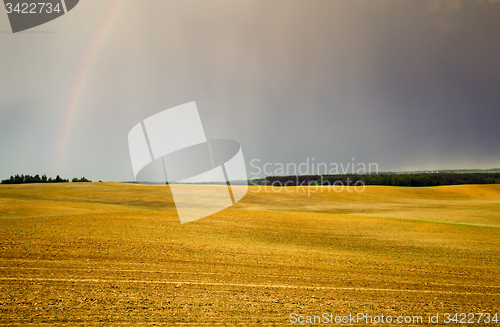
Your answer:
<point x="111" y="254"/>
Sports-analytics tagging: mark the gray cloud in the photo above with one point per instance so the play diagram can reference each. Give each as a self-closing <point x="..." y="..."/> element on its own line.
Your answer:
<point x="379" y="81"/>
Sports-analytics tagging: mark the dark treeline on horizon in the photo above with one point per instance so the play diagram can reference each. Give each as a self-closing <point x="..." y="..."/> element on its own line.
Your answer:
<point x="28" y="179"/>
<point x="411" y="180"/>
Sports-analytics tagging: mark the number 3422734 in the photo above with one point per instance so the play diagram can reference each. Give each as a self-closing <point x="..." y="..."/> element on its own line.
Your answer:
<point x="32" y="8"/>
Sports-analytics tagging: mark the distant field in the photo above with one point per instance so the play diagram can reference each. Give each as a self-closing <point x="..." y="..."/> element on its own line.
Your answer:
<point x="105" y="254"/>
<point x="476" y="171"/>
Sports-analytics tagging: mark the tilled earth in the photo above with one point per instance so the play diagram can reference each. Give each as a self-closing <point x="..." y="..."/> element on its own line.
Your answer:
<point x="239" y="267"/>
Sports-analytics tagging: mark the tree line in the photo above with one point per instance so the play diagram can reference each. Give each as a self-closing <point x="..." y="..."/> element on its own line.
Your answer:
<point x="28" y="179"/>
<point x="411" y="180"/>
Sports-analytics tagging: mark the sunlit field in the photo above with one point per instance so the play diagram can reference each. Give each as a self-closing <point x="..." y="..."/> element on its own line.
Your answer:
<point x="104" y="254"/>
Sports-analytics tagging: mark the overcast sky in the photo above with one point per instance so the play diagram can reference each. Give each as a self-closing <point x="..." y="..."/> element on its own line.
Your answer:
<point x="410" y="85"/>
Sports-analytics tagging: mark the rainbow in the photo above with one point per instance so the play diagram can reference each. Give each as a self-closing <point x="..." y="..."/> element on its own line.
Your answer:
<point x="81" y="82"/>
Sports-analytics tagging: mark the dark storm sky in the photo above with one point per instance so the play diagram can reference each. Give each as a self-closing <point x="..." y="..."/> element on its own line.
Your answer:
<point x="410" y="85"/>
